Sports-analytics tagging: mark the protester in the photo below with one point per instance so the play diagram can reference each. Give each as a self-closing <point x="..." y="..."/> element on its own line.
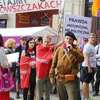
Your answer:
<point x="88" y="65"/>
<point x="97" y="82"/>
<point x="65" y="67"/>
<point x="39" y="40"/>
<point x="43" y="64"/>
<point x="10" y="46"/>
<point x="85" y="40"/>
<point x="28" y="69"/>
<point x="6" y="83"/>
<point x="19" y="49"/>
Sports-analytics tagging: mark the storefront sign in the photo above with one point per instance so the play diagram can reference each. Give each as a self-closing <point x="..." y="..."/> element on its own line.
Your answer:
<point x="79" y="25"/>
<point x="16" y="6"/>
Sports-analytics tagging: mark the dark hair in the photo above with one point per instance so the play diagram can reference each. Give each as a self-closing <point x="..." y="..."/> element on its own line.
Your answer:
<point x="27" y="46"/>
<point x="71" y="34"/>
<point x="23" y="38"/>
<point x="39" y="39"/>
<point x="1" y="41"/>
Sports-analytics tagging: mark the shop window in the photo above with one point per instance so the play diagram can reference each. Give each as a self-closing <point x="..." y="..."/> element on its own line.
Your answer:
<point x="45" y="20"/>
<point x="3" y="23"/>
<point x="35" y="22"/>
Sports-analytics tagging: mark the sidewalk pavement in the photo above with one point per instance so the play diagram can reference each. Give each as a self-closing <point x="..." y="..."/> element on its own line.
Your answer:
<point x="55" y="97"/>
<point x="13" y="95"/>
<point x="52" y="97"/>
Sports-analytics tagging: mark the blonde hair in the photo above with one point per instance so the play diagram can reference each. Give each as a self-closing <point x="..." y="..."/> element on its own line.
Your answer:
<point x="92" y="35"/>
<point x="9" y="43"/>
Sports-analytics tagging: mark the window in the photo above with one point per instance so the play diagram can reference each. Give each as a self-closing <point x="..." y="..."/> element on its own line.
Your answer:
<point x="88" y="8"/>
<point x="3" y="23"/>
<point x="45" y="20"/>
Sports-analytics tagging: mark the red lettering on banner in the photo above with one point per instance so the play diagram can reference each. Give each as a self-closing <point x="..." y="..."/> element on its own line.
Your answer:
<point x="58" y="3"/>
<point x="18" y="8"/>
<point x="1" y="9"/>
<point x="52" y="4"/>
<point x="23" y="8"/>
<point x="8" y="8"/>
<point x="40" y="5"/>
<point x="47" y="5"/>
<point x="28" y="7"/>
<point x="15" y="8"/>
<point x="35" y="7"/>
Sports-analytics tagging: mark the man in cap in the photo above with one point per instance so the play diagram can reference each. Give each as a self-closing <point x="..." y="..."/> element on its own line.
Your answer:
<point x="88" y="65"/>
<point x="65" y="67"/>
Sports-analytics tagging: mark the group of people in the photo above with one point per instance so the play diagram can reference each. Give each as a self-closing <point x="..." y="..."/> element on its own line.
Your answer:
<point x="42" y="64"/>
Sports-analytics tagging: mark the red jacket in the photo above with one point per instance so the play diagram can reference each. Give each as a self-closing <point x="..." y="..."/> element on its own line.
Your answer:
<point x="25" y="70"/>
<point x="43" y="61"/>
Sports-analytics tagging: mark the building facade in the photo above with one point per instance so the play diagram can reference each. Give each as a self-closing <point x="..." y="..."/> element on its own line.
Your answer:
<point x="47" y="17"/>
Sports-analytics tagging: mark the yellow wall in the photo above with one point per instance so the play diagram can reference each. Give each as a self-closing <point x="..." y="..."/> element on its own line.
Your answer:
<point x="95" y="7"/>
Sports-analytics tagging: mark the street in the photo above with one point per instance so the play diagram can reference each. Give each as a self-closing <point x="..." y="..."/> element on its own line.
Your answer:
<point x="52" y="97"/>
<point x="55" y="97"/>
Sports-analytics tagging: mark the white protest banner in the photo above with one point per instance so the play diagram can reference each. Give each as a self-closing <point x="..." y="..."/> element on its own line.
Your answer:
<point x="79" y="25"/>
<point x="13" y="57"/>
<point x="17" y="6"/>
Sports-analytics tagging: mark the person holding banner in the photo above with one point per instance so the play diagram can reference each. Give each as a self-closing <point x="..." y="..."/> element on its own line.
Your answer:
<point x="28" y="69"/>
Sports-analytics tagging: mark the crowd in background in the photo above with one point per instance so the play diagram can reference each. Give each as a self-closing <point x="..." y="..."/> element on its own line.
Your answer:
<point x="42" y="65"/>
